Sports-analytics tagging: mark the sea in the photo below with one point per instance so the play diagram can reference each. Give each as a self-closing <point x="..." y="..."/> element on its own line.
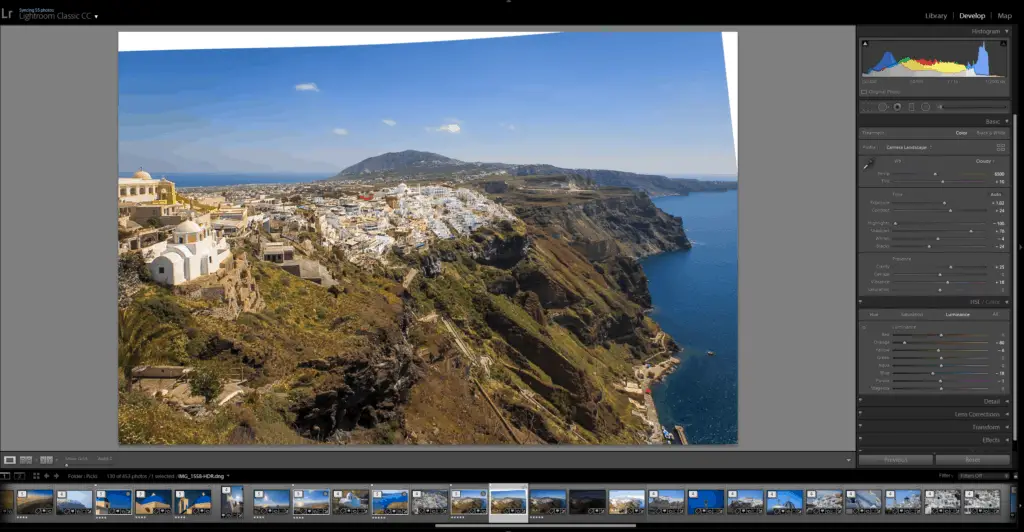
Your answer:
<point x="695" y="301"/>
<point x="199" y="179"/>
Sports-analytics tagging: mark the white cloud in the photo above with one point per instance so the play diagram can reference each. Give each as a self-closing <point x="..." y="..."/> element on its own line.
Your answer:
<point x="510" y="127"/>
<point x="389" y="121"/>
<point x="340" y="131"/>
<point x="307" y="87"/>
<point x="447" y="128"/>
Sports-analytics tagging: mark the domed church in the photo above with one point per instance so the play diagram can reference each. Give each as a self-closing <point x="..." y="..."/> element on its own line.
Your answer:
<point x="193" y="251"/>
<point x="142" y="188"/>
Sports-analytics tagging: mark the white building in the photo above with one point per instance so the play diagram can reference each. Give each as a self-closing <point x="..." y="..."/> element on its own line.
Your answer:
<point x="142" y="188"/>
<point x="194" y="251"/>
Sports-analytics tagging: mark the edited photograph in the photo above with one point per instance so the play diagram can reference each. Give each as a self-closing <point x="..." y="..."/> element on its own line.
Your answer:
<point x="431" y="243"/>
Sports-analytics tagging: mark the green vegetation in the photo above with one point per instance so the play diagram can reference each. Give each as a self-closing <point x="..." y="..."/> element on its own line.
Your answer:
<point x="510" y="326"/>
<point x="205" y="382"/>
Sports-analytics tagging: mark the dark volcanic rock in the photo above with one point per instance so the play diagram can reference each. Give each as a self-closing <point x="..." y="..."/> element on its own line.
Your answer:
<point x="527" y="419"/>
<point x="430" y="265"/>
<point x="504" y="285"/>
<point x="631" y="279"/>
<point x="366" y="389"/>
<point x="505" y="252"/>
<point x="551" y="293"/>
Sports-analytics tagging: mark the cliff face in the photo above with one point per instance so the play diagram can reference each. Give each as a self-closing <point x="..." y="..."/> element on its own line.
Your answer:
<point x="619" y="224"/>
<point x="557" y="309"/>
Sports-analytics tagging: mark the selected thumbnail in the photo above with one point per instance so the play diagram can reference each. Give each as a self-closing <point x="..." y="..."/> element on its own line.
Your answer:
<point x="508" y="502"/>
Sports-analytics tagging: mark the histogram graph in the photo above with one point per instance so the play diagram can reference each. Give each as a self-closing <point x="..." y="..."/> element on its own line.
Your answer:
<point x="912" y="59"/>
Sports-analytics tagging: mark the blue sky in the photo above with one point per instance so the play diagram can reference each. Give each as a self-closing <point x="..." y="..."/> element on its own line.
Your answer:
<point x="794" y="496"/>
<point x="504" y="494"/>
<point x="640" y="102"/>
<point x="82" y="497"/>
<point x="275" y="498"/>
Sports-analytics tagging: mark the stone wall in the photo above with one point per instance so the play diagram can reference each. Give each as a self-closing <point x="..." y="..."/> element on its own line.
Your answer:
<point x="233" y="288"/>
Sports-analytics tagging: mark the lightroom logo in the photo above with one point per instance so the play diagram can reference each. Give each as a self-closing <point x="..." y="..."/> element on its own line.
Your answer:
<point x="5" y="13"/>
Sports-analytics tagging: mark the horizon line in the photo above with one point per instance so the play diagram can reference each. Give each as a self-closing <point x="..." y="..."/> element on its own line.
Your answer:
<point x="328" y="174"/>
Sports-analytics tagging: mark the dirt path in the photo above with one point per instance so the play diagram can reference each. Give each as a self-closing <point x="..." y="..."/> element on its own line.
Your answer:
<point x="508" y="426"/>
<point x="409" y="276"/>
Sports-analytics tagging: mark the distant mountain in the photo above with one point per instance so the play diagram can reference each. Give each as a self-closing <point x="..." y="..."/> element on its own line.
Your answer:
<point x="420" y="163"/>
<point x="402" y="161"/>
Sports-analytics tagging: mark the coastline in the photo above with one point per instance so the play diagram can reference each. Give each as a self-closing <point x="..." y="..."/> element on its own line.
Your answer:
<point x="699" y="396"/>
<point x="647" y="375"/>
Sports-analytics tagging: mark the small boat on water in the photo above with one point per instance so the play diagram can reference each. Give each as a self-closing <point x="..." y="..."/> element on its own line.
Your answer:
<point x="711" y="353"/>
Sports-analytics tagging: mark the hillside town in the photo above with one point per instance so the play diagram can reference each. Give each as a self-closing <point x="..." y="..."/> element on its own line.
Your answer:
<point x="184" y="238"/>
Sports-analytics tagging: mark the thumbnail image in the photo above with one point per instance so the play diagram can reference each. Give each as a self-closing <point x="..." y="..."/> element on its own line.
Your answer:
<point x="193" y="502"/>
<point x="391" y="502"/>
<point x="548" y="502"/>
<point x="825" y="502"/>
<point x="863" y="501"/>
<point x="271" y="502"/>
<point x="785" y="502"/>
<point x="982" y="501"/>
<point x="153" y="502"/>
<point x="1013" y="501"/>
<point x="509" y="501"/>
<point x="74" y="502"/>
<point x="6" y="502"/>
<point x="430" y="502"/>
<point x="35" y="502"/>
<point x="350" y="502"/>
<point x="311" y="502"/>
<point x="903" y="502"/>
<point x="469" y="501"/>
<point x="626" y="502"/>
<point x="746" y="502"/>
<point x="313" y="213"/>
<point x="705" y="502"/>
<point x="666" y="502"/>
<point x="942" y="501"/>
<point x="232" y="502"/>
<point x="113" y="502"/>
